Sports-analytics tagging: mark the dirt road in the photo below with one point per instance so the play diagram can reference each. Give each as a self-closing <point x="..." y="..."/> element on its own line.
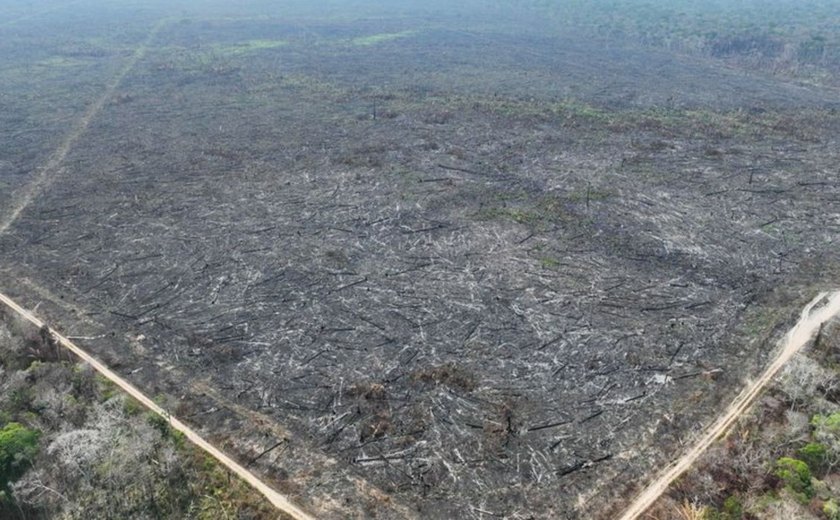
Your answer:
<point x="279" y="501"/>
<point x="47" y="173"/>
<point x="818" y="311"/>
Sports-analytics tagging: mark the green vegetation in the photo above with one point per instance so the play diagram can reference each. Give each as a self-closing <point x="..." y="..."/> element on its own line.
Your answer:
<point x="18" y="447"/>
<point x="246" y="47"/>
<point x="66" y="428"/>
<point x="425" y="144"/>
<point x="590" y="195"/>
<point x="760" y="322"/>
<point x="374" y="39"/>
<point x="796" y="38"/>
<point x="831" y="510"/>
<point x="827" y="424"/>
<point x="62" y="61"/>
<point x="781" y="460"/>
<point x="826" y="431"/>
<point x="548" y="262"/>
<point x="518" y="215"/>
<point x="732" y="509"/>
<point x="796" y="476"/>
<point x="666" y="122"/>
<point x="215" y="58"/>
<point x="814" y="454"/>
<point x="572" y="108"/>
<point x="532" y="211"/>
<point x="132" y="406"/>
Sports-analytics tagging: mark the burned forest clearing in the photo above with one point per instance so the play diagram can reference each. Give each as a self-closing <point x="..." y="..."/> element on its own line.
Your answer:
<point x="408" y="263"/>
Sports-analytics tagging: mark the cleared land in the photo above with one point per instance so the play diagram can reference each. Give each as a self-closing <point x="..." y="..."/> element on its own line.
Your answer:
<point x="449" y="269"/>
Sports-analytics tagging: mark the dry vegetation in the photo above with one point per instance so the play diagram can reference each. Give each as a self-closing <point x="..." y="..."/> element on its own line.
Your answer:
<point x="94" y="452"/>
<point x="462" y="272"/>
<point x="782" y="460"/>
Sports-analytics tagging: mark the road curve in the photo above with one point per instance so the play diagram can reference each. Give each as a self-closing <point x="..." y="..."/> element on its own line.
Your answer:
<point x="279" y="501"/>
<point x="809" y="323"/>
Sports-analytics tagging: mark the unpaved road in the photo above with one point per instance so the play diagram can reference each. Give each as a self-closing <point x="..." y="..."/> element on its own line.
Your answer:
<point x="818" y="311"/>
<point x="808" y="324"/>
<point x="47" y="173"/>
<point x="278" y="500"/>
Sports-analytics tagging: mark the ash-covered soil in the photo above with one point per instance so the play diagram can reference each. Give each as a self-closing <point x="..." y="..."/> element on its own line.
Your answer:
<point x="485" y="274"/>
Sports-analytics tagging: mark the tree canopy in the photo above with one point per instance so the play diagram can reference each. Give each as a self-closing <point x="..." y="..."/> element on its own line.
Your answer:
<point x="18" y="447"/>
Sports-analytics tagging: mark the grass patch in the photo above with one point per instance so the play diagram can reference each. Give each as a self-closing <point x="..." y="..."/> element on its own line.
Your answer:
<point x="62" y="62"/>
<point x="760" y="322"/>
<point x="107" y="388"/>
<point x="548" y="262"/>
<point x="247" y="47"/>
<point x="132" y="406"/>
<point x="375" y="39"/>
<point x="573" y="108"/>
<point x="526" y="211"/>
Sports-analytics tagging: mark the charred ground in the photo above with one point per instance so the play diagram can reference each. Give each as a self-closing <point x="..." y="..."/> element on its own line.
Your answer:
<point x="468" y="272"/>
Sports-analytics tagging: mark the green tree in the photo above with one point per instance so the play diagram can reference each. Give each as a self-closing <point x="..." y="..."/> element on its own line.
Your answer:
<point x="796" y="475"/>
<point x="18" y="447"/>
<point x="732" y="509"/>
<point x="815" y="455"/>
<point x="827" y="432"/>
<point x="831" y="510"/>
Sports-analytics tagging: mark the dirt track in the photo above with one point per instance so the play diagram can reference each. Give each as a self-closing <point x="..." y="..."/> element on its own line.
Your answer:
<point x="797" y="338"/>
<point x="47" y="173"/>
<point x="475" y="289"/>
<point x="279" y="501"/>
